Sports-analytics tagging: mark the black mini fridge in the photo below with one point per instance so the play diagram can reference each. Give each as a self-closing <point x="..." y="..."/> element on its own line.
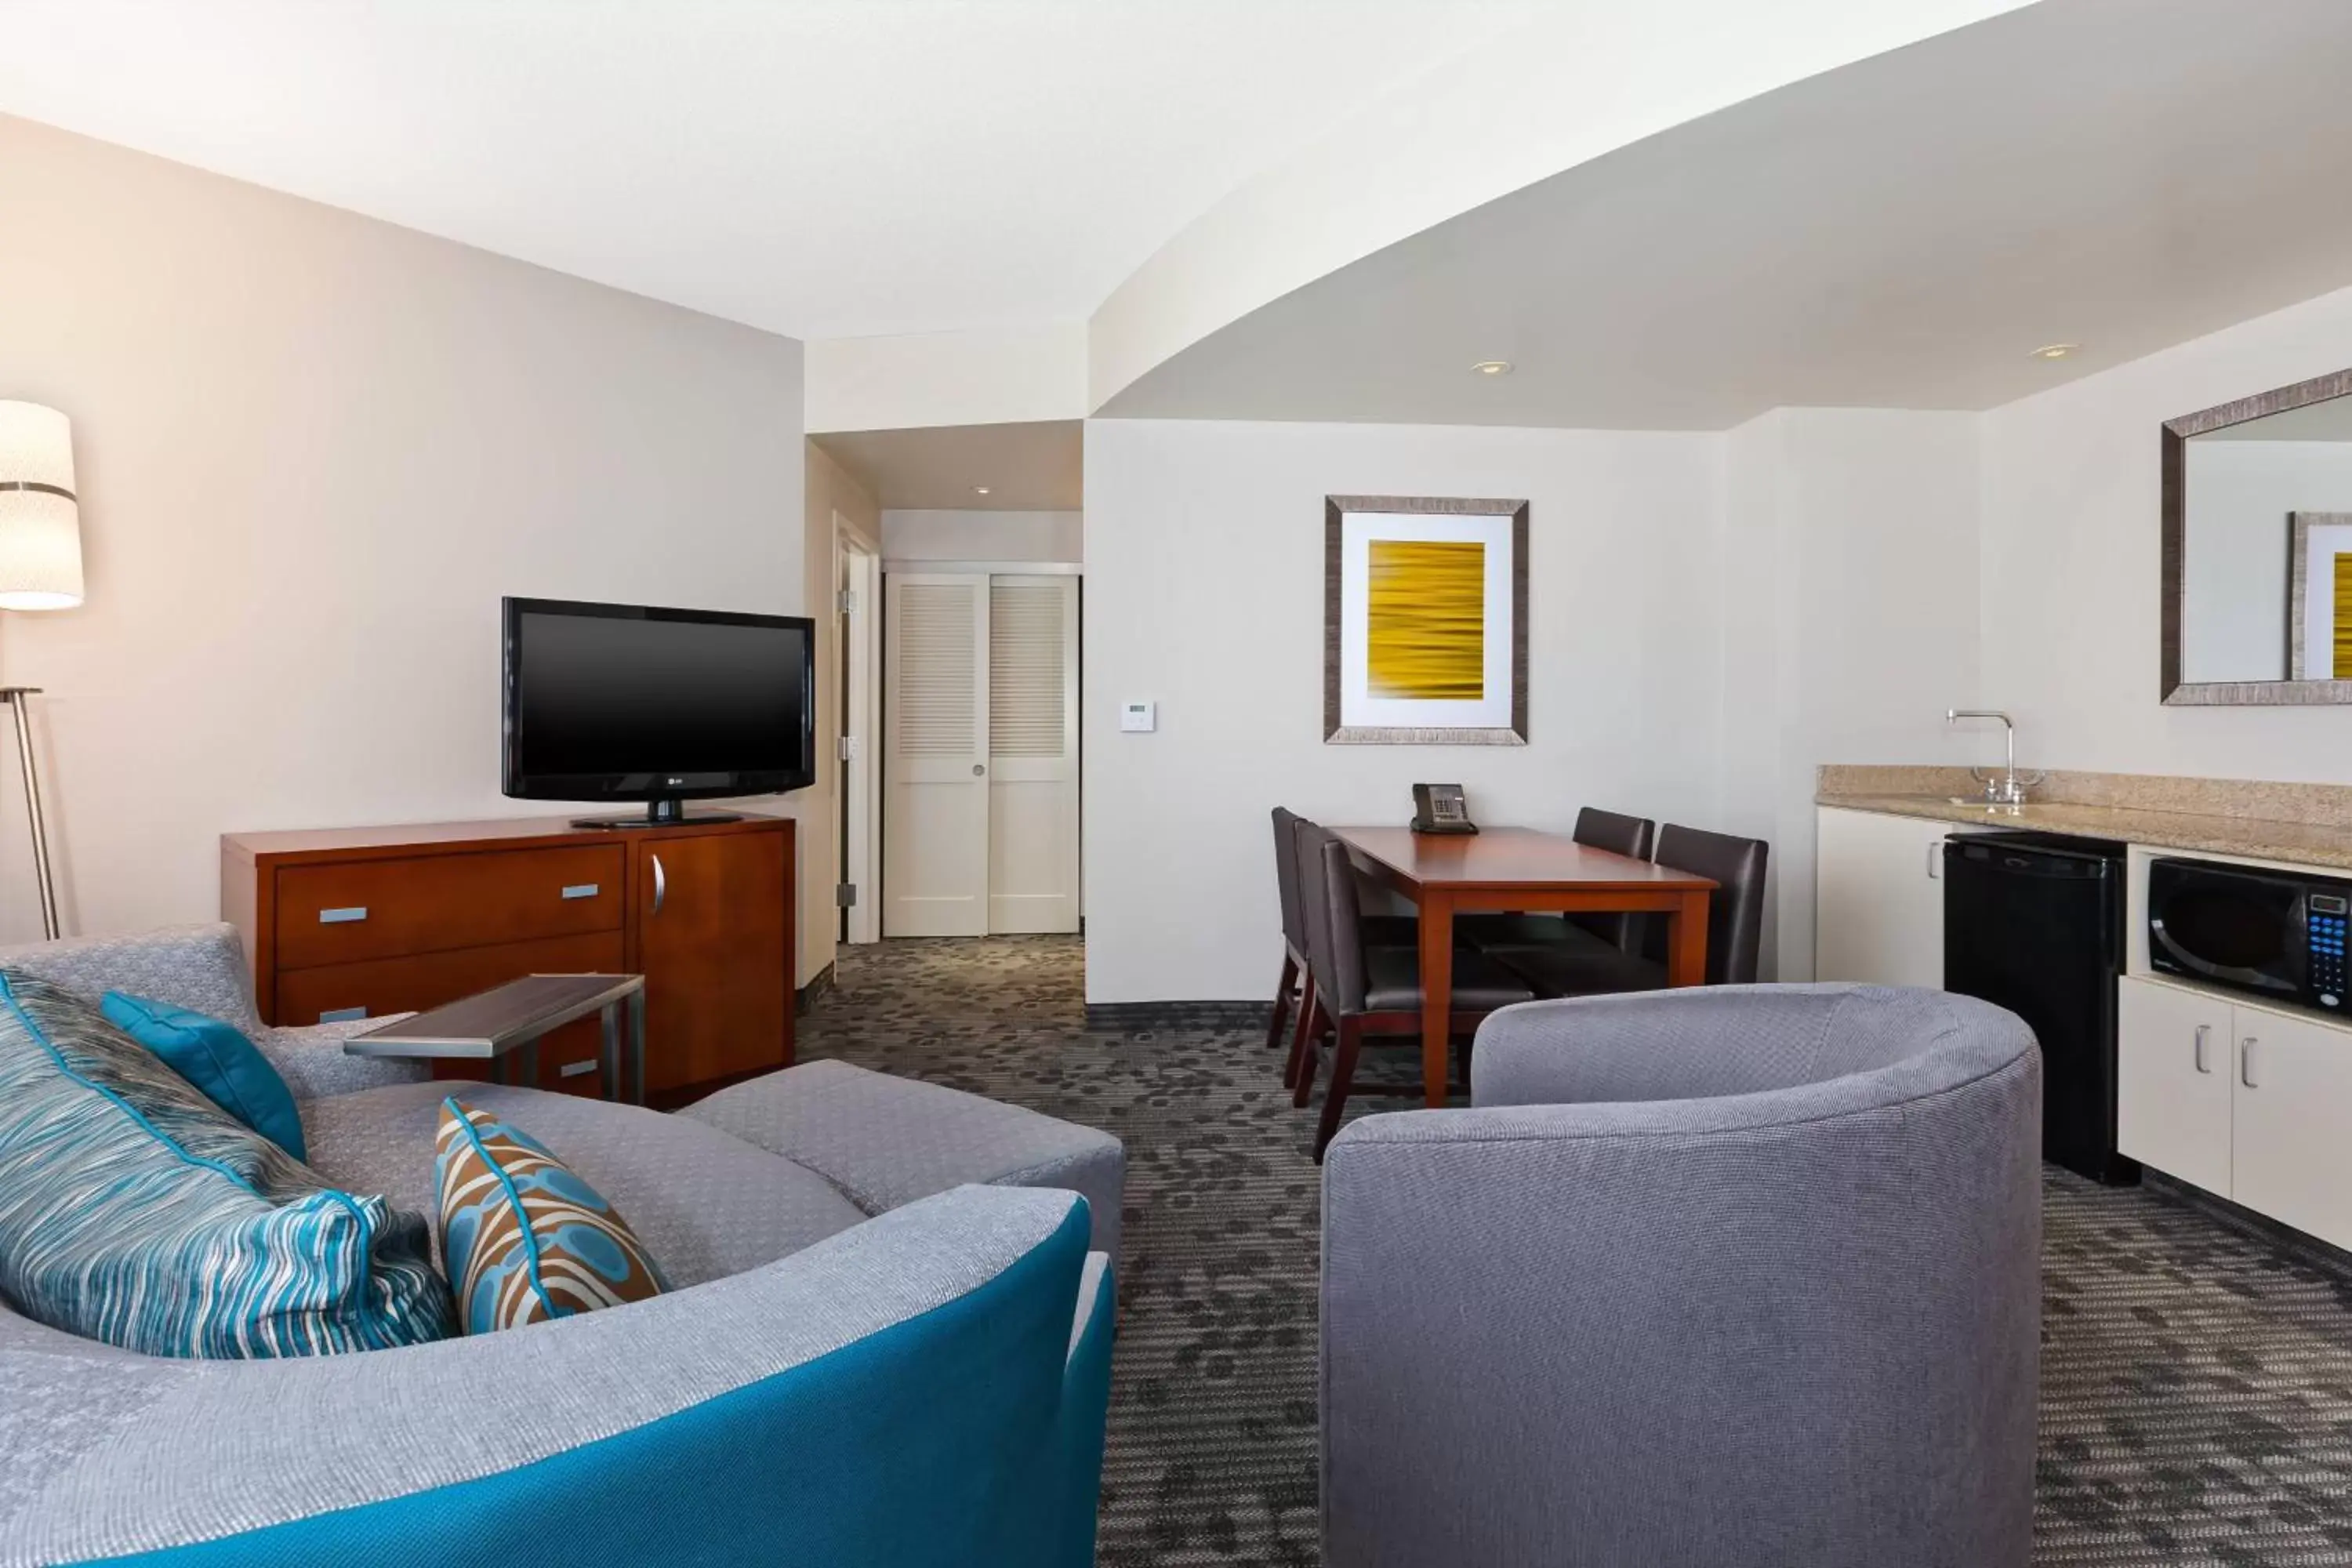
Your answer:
<point x="2034" y="922"/>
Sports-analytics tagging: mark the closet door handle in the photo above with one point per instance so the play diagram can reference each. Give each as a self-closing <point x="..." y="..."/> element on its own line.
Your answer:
<point x="661" y="884"/>
<point x="2246" y="1061"/>
<point x="2204" y="1038"/>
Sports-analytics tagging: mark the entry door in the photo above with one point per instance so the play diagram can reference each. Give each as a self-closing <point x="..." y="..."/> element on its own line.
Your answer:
<point x="935" y="821"/>
<point x="1032" y="728"/>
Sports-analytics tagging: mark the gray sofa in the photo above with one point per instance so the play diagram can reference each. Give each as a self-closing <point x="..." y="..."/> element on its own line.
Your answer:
<point x="1741" y="1275"/>
<point x="819" y="1209"/>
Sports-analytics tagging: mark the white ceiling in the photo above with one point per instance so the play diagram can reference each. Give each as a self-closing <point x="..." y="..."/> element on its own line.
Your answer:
<point x="1026" y="467"/>
<point x="816" y="167"/>
<point x="1899" y="233"/>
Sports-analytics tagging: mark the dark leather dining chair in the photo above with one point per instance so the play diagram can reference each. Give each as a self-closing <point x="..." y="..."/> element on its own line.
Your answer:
<point x="1369" y="990"/>
<point x="1578" y="965"/>
<point x="1296" y="983"/>
<point x="1384" y="931"/>
<point x="1598" y="829"/>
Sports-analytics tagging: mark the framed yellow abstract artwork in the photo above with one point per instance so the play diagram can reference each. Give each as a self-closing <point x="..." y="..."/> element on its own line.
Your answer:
<point x="2319" y="596"/>
<point x="1424" y="621"/>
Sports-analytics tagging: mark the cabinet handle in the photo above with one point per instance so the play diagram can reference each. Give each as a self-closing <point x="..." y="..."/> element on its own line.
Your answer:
<point x="580" y="891"/>
<point x="2204" y="1036"/>
<point x="661" y="884"/>
<point x="1936" y="861"/>
<point x="2246" y="1062"/>
<point x="573" y="1069"/>
<point x="344" y="916"/>
<point x="341" y="1014"/>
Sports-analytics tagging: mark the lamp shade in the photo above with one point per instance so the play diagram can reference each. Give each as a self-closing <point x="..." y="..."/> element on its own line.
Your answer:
<point x="40" y="518"/>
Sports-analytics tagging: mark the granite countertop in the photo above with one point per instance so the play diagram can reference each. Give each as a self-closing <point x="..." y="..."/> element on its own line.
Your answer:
<point x="2121" y="808"/>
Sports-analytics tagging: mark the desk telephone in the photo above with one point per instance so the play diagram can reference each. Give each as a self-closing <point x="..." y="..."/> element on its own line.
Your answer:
<point x="1440" y="808"/>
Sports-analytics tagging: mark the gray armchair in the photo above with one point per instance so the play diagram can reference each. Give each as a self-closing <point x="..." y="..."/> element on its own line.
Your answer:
<point x="1745" y="1274"/>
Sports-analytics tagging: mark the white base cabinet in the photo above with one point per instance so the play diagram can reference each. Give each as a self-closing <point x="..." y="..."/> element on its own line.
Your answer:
<point x="1878" y="898"/>
<point x="2249" y="1103"/>
<point x="2174" y="1056"/>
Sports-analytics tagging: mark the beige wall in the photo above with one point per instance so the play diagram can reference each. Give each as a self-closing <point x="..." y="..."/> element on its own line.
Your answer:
<point x="314" y="450"/>
<point x="833" y="492"/>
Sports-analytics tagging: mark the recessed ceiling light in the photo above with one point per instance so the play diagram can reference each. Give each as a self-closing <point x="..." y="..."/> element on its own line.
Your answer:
<point x="2057" y="351"/>
<point x="1493" y="367"/>
<point x="980" y="490"/>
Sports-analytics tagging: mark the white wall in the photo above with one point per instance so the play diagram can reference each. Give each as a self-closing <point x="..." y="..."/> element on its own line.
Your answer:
<point x="1850" y="621"/>
<point x="2233" y="615"/>
<point x="983" y="536"/>
<point x="314" y="450"/>
<point x="2071" y="572"/>
<point x="1711" y="617"/>
<point x="1204" y="561"/>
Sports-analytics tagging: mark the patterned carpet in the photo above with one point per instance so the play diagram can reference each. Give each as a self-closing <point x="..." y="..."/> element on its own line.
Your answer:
<point x="2197" y="1375"/>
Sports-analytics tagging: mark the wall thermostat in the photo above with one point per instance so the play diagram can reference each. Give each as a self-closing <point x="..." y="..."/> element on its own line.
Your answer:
<point x="1139" y="718"/>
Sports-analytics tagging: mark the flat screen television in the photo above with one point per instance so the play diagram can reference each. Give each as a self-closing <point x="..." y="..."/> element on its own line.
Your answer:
<point x="628" y="703"/>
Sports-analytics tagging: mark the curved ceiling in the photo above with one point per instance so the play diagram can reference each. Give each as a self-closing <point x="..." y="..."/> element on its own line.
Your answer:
<point x="816" y="167"/>
<point x="1902" y="232"/>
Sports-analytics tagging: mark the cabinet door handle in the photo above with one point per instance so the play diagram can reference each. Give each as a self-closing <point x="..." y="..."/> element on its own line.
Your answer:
<point x="342" y="916"/>
<point x="661" y="884"/>
<point x="580" y="891"/>
<point x="1936" y="861"/>
<point x="2246" y="1062"/>
<point x="340" y="1014"/>
<point x="2204" y="1037"/>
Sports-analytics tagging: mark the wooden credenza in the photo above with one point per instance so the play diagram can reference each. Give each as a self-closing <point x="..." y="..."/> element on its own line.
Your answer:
<point x="351" y="922"/>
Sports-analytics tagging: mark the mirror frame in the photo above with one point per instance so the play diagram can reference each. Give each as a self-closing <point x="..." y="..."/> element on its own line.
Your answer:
<point x="2179" y="693"/>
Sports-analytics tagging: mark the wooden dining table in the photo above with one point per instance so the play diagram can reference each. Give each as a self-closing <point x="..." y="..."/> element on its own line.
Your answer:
<point x="1508" y="869"/>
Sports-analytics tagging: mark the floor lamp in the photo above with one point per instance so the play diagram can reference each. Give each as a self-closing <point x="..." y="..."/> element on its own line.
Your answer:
<point x="40" y="569"/>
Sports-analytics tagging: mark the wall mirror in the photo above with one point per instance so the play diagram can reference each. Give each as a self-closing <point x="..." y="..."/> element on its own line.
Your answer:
<point x="2258" y="549"/>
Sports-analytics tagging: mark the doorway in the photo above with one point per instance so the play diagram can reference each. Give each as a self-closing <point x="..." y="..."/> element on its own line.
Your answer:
<point x="981" y="765"/>
<point x="857" y="583"/>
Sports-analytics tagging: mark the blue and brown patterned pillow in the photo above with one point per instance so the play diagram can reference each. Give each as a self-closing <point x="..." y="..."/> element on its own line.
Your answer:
<point x="524" y="1237"/>
<point x="134" y="1211"/>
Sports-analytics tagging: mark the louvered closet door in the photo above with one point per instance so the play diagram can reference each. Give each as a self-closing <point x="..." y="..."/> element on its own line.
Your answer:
<point x="1033" y="728"/>
<point x="935" y="818"/>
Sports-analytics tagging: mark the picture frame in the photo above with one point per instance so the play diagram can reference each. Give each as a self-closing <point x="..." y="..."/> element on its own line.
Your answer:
<point x="2319" y="596"/>
<point x="1424" y="621"/>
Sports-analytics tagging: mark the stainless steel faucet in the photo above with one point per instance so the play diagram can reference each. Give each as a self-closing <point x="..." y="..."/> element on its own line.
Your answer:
<point x="2007" y="787"/>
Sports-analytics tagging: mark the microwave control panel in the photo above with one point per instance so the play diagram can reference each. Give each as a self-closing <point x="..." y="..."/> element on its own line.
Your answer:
<point x="2325" y="923"/>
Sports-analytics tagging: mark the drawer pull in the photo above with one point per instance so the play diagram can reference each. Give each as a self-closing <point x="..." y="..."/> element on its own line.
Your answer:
<point x="2204" y="1034"/>
<point x="580" y="891"/>
<point x="573" y="1069"/>
<point x="341" y="1014"/>
<point x="344" y="916"/>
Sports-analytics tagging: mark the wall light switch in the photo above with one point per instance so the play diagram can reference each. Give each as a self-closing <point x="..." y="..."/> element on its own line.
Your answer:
<point x="1139" y="718"/>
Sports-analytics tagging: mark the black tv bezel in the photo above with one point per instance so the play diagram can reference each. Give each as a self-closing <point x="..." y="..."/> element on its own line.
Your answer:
<point x="518" y="785"/>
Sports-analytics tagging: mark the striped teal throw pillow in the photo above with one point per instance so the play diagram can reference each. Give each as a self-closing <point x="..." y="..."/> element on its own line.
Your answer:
<point x="134" y="1211"/>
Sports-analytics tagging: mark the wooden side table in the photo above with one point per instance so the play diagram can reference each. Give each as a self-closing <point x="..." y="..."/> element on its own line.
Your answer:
<point x="503" y="1025"/>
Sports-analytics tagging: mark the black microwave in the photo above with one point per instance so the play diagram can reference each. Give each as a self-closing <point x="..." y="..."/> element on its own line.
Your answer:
<point x="2274" y="934"/>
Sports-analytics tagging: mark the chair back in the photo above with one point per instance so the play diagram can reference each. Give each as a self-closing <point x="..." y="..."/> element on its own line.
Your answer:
<point x="1286" y="878"/>
<point x="1735" y="910"/>
<point x="1334" y="917"/>
<point x="1615" y="831"/>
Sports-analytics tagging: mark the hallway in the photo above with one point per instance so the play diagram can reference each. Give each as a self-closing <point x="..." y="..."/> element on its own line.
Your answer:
<point x="2196" y="1383"/>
